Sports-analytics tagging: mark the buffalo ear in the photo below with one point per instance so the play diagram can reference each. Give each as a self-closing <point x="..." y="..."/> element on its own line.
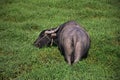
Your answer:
<point x="53" y="35"/>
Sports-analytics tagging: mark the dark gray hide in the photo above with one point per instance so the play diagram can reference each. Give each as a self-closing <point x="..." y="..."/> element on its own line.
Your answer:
<point x="72" y="41"/>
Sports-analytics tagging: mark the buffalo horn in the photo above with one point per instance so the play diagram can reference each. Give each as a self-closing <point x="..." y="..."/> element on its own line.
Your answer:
<point x="52" y="31"/>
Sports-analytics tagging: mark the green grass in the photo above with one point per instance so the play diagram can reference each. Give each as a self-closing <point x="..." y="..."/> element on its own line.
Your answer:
<point x="21" y="21"/>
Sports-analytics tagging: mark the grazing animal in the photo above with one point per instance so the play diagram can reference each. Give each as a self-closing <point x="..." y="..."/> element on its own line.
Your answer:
<point x="71" y="39"/>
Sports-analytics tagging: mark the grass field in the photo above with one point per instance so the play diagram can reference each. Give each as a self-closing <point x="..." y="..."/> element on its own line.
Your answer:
<point x="21" y="21"/>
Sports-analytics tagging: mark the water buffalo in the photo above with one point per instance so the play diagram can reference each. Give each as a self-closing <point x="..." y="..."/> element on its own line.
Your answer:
<point x="71" y="39"/>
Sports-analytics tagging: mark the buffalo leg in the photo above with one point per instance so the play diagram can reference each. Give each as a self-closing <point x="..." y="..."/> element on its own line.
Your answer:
<point x="77" y="53"/>
<point x="68" y="59"/>
<point x="68" y="52"/>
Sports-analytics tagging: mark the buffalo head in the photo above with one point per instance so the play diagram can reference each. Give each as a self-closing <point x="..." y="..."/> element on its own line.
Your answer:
<point x="46" y="38"/>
